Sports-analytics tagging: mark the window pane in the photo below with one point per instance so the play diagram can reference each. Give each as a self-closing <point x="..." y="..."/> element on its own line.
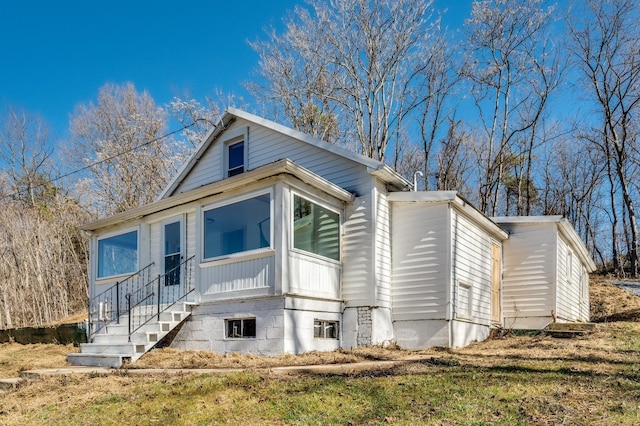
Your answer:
<point x="315" y="229"/>
<point x="118" y="255"/>
<point x="249" y="328"/>
<point x="238" y="227"/>
<point x="236" y="158"/>
<point x="172" y="238"/>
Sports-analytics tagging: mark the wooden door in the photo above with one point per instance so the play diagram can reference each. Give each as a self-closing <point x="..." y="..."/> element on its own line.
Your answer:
<point x="496" y="284"/>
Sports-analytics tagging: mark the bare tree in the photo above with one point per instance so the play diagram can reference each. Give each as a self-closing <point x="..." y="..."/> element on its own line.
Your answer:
<point x="439" y="77"/>
<point x="347" y="64"/>
<point x="512" y="70"/>
<point x="121" y="141"/>
<point x="43" y="257"/>
<point x="605" y="39"/>
<point x="26" y="154"/>
<point x="452" y="166"/>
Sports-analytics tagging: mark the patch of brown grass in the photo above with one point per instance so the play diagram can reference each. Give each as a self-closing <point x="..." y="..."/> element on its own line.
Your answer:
<point x="71" y="319"/>
<point x="15" y="357"/>
<point x="611" y="303"/>
<point x="174" y="358"/>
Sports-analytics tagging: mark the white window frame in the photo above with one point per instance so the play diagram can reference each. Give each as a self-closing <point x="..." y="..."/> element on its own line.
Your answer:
<point x="235" y="137"/>
<point x="230" y="201"/>
<point x="111" y="235"/>
<point x="324" y="204"/>
<point x="569" y="266"/>
<point x="468" y="313"/>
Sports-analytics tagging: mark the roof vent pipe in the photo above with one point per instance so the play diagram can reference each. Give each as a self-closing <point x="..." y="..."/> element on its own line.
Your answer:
<point x="415" y="179"/>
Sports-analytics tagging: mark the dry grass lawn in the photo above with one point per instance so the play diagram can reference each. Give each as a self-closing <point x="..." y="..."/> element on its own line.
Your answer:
<point x="509" y="380"/>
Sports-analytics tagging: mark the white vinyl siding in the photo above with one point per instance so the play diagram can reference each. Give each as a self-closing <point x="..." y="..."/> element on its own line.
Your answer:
<point x="529" y="272"/>
<point x="264" y="146"/>
<point x="357" y="253"/>
<point x="471" y="265"/>
<point x="382" y="248"/>
<point x="155" y="248"/>
<point x="569" y="288"/>
<point x="420" y="278"/>
<point x="223" y="280"/>
<point x="313" y="277"/>
<point x="209" y="169"/>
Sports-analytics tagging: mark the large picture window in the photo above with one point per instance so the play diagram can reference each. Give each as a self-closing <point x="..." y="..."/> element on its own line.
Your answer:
<point x="316" y="229"/>
<point x="118" y="255"/>
<point x="238" y="227"/>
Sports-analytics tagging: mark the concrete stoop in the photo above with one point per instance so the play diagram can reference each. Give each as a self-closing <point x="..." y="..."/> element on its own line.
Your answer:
<point x="113" y="347"/>
<point x="12" y="383"/>
<point x="570" y="329"/>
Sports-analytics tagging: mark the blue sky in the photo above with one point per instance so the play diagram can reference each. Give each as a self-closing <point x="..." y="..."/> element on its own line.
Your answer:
<point x="56" y="55"/>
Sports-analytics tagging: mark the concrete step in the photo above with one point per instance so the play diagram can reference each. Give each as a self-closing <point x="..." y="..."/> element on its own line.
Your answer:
<point x="111" y="348"/>
<point x="572" y="326"/>
<point x="119" y="338"/>
<point x="12" y="383"/>
<point x="108" y="348"/>
<point x="97" y="360"/>
<point x="570" y="329"/>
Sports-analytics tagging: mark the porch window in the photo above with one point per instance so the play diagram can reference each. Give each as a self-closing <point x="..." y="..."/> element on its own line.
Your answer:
<point x="238" y="227"/>
<point x="325" y="329"/>
<point x="118" y="255"/>
<point x="316" y="229"/>
<point x="240" y="328"/>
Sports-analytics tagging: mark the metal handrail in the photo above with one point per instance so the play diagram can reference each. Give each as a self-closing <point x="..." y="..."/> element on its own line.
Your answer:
<point x="174" y="294"/>
<point x="109" y="301"/>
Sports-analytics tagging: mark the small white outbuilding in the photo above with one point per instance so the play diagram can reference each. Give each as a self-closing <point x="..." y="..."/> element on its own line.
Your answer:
<point x="545" y="276"/>
<point x="445" y="275"/>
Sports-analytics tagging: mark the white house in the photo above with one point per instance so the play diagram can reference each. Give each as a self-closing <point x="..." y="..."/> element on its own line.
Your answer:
<point x="546" y="272"/>
<point x="270" y="241"/>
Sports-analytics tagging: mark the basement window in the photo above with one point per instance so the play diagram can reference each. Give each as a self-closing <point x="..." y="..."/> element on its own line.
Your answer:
<point x="323" y="329"/>
<point x="243" y="328"/>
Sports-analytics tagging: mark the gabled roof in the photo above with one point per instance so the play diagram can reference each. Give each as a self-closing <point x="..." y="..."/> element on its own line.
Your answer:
<point x="374" y="167"/>
<point x="455" y="199"/>
<point x="565" y="228"/>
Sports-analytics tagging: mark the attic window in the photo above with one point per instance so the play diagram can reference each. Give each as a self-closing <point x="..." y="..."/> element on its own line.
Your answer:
<point x="235" y="153"/>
